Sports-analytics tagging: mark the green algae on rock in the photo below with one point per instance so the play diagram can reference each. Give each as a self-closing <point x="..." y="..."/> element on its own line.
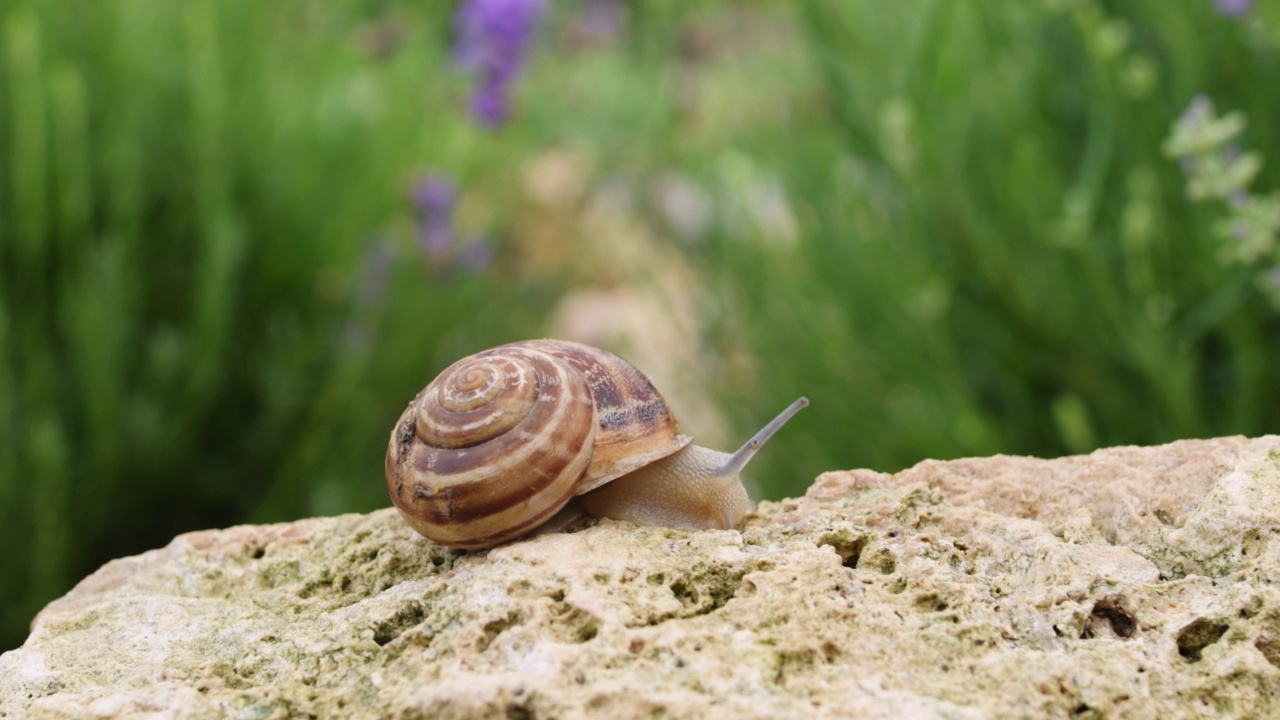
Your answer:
<point x="1130" y="583"/>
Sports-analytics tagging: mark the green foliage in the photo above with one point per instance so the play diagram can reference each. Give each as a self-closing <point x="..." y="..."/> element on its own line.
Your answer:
<point x="210" y="312"/>
<point x="999" y="256"/>
<point x="959" y="227"/>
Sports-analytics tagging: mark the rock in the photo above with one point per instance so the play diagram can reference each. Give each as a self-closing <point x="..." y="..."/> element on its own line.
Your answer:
<point x="1130" y="583"/>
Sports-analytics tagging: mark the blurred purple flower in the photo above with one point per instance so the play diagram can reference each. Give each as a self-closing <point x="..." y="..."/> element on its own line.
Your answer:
<point x="599" y="21"/>
<point x="370" y="292"/>
<point x="434" y="197"/>
<point x="435" y="238"/>
<point x="1233" y="8"/>
<point x="434" y="194"/>
<point x="1198" y="111"/>
<point x="492" y="38"/>
<point x="1236" y="197"/>
<point x="372" y="285"/>
<point x="476" y="254"/>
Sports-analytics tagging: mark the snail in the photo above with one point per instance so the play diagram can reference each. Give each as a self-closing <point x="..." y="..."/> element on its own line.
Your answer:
<point x="504" y="440"/>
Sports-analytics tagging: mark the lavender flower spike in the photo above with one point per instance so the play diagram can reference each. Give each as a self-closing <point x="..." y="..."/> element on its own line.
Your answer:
<point x="1233" y="8"/>
<point x="434" y="197"/>
<point x="492" y="38"/>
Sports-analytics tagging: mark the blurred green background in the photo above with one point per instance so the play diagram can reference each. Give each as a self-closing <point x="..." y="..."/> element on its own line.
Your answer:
<point x="236" y="237"/>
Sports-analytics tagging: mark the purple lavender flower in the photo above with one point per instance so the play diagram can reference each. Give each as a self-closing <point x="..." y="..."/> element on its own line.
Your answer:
<point x="492" y="38"/>
<point x="434" y="194"/>
<point x="476" y="254"/>
<point x="599" y="21"/>
<point x="1199" y="110"/>
<point x="372" y="285"/>
<point x="435" y="237"/>
<point x="370" y="291"/>
<point x="1233" y="8"/>
<point x="434" y="197"/>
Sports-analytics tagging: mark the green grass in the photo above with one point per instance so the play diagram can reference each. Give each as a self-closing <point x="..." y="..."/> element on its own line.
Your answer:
<point x="188" y="201"/>
<point x="955" y="226"/>
<point x="998" y="255"/>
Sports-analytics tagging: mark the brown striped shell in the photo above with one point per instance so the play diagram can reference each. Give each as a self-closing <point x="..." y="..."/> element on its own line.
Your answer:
<point x="502" y="440"/>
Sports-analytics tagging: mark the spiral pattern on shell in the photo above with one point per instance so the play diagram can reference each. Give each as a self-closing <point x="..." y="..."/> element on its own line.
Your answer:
<point x="503" y="439"/>
<point x="477" y="399"/>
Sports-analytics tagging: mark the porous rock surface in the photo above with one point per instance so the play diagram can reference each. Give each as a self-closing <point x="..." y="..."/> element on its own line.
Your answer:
<point x="1130" y="583"/>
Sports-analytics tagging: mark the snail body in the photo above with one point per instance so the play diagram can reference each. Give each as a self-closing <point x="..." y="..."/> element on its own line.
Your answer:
<point x="501" y="441"/>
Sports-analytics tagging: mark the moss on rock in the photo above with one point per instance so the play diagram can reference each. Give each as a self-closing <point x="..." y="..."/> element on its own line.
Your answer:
<point x="1133" y="582"/>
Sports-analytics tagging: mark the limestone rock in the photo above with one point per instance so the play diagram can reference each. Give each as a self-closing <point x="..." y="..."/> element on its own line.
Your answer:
<point x="1130" y="583"/>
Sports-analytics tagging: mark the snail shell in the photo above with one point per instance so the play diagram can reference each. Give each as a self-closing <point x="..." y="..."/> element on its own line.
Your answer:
<point x="504" y="439"/>
<point x="563" y="417"/>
